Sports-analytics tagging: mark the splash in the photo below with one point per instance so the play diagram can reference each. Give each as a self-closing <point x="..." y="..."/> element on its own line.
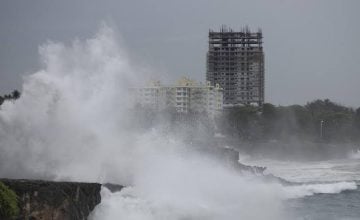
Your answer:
<point x="72" y="123"/>
<point x="191" y="187"/>
<point x="71" y="113"/>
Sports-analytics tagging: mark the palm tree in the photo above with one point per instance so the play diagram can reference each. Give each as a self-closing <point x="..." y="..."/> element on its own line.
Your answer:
<point x="16" y="94"/>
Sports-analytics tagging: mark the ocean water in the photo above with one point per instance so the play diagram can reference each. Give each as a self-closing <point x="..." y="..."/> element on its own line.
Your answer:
<point x="337" y="206"/>
<point x="333" y="187"/>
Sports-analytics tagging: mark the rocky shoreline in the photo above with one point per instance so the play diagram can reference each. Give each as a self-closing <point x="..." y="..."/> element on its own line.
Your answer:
<point x="42" y="200"/>
<point x="38" y="199"/>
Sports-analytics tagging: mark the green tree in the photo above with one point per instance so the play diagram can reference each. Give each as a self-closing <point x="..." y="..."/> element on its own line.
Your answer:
<point x="269" y="118"/>
<point x="303" y="120"/>
<point x="243" y="122"/>
<point x="269" y="111"/>
<point x="337" y="120"/>
<point x="8" y="202"/>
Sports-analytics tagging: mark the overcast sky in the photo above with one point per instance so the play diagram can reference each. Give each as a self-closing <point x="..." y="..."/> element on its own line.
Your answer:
<point x="312" y="47"/>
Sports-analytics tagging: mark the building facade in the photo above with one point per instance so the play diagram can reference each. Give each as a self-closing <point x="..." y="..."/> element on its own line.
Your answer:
<point x="185" y="96"/>
<point x="235" y="61"/>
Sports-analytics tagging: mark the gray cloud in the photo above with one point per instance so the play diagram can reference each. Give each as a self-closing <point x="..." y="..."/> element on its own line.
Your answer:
<point x="311" y="46"/>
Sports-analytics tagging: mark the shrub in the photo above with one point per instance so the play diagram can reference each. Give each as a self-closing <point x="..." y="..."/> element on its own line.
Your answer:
<point x="8" y="202"/>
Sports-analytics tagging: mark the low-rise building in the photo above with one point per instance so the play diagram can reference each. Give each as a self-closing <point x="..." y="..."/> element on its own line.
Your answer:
<point x="185" y="96"/>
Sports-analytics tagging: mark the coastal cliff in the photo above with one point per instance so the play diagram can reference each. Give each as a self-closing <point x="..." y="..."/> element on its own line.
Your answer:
<point x="47" y="200"/>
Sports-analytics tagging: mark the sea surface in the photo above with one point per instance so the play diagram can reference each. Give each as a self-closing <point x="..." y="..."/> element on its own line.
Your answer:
<point x="332" y="186"/>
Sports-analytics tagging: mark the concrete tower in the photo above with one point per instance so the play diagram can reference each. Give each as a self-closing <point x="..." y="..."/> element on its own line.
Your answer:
<point x="235" y="61"/>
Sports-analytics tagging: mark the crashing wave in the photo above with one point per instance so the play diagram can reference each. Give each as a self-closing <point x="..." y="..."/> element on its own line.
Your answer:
<point x="298" y="191"/>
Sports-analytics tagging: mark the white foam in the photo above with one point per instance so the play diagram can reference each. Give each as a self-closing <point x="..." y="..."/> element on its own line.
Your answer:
<point x="303" y="190"/>
<point x="191" y="187"/>
<point x="345" y="170"/>
<point x="354" y="154"/>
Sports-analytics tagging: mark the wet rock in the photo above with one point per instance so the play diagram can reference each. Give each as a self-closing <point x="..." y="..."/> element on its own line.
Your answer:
<point x="113" y="187"/>
<point x="43" y="200"/>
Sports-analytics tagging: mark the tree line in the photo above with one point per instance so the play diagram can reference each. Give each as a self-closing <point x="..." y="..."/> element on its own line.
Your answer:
<point x="319" y="120"/>
<point x="316" y="121"/>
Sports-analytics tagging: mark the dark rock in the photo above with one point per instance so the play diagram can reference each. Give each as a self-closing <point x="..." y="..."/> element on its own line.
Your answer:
<point x="113" y="187"/>
<point x="54" y="200"/>
<point x="227" y="156"/>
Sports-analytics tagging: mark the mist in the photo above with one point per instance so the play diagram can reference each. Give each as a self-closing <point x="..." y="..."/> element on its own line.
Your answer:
<point x="76" y="121"/>
<point x="60" y="123"/>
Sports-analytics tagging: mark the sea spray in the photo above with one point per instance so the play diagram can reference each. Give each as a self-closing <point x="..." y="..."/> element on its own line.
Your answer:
<point x="182" y="186"/>
<point x="69" y="122"/>
<point x="73" y="122"/>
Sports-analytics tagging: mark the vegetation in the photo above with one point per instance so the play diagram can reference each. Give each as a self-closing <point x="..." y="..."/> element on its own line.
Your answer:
<point x="12" y="96"/>
<point x="317" y="120"/>
<point x="8" y="202"/>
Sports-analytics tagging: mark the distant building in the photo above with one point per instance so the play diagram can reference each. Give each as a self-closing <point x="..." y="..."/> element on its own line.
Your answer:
<point x="235" y="61"/>
<point x="185" y="96"/>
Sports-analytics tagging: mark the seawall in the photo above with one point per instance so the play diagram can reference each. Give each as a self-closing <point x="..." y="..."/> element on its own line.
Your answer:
<point x="46" y="200"/>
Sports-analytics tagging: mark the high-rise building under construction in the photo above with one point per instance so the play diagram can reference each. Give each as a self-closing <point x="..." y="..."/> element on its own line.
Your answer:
<point x="235" y="61"/>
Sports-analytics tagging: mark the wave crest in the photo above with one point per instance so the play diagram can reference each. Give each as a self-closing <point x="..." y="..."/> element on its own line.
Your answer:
<point x="303" y="190"/>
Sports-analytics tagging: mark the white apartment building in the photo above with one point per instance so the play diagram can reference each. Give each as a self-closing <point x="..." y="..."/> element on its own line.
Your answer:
<point x="185" y="96"/>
